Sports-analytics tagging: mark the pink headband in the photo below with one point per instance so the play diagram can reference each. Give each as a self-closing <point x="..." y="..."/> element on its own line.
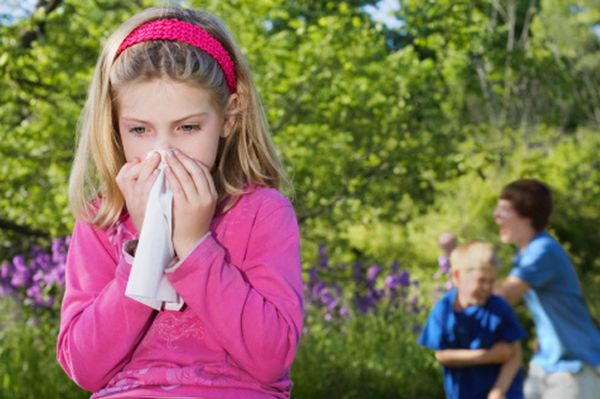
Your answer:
<point x="181" y="31"/>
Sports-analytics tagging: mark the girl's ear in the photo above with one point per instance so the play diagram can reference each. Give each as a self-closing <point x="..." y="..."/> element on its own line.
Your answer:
<point x="232" y="110"/>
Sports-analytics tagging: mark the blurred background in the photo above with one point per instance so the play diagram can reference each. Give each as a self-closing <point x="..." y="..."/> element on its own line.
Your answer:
<point x="396" y="120"/>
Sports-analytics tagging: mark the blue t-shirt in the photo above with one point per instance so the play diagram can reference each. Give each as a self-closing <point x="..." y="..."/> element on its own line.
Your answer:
<point x="566" y="333"/>
<point x="476" y="327"/>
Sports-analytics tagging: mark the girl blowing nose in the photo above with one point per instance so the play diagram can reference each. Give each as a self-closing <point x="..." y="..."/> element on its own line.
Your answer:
<point x="173" y="79"/>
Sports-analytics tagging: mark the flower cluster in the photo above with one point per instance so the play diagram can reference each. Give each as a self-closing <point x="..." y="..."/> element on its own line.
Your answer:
<point x="367" y="289"/>
<point x="40" y="281"/>
<point x="336" y="292"/>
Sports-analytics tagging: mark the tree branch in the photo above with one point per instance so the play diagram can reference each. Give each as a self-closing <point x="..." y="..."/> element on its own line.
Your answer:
<point x="39" y="28"/>
<point x="6" y="224"/>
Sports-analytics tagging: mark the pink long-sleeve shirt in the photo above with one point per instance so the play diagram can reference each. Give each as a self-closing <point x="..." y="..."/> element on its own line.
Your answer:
<point x="237" y="335"/>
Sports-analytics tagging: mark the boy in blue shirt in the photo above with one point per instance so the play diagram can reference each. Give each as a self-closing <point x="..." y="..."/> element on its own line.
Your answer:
<point x="475" y="334"/>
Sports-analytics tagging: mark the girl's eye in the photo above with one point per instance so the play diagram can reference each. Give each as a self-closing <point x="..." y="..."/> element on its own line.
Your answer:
<point x="190" y="128"/>
<point x="138" y="130"/>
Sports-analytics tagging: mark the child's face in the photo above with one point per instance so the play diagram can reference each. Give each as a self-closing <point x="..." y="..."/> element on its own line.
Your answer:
<point x="475" y="285"/>
<point x="164" y="114"/>
<point x="512" y="225"/>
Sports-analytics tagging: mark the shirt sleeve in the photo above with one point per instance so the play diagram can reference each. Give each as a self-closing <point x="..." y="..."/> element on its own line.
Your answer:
<point x="510" y="330"/>
<point x="536" y="267"/>
<point x="255" y="310"/>
<point x="432" y="334"/>
<point x="100" y="326"/>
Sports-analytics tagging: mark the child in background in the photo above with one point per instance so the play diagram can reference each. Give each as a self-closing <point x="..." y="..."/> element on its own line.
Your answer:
<point x="475" y="334"/>
<point x="172" y="79"/>
<point x="447" y="242"/>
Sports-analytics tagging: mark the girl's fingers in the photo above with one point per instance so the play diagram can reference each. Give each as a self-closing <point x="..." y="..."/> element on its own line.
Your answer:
<point x="127" y="168"/>
<point x="174" y="184"/>
<point x="194" y="168"/>
<point x="186" y="181"/>
<point x="209" y="179"/>
<point x="127" y="173"/>
<point x="147" y="184"/>
<point x="149" y="166"/>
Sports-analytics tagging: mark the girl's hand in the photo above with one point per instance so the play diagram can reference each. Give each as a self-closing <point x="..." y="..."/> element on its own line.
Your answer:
<point x="135" y="179"/>
<point x="194" y="200"/>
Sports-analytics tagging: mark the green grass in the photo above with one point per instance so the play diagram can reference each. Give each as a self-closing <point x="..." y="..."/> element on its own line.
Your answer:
<point x="28" y="366"/>
<point x="373" y="356"/>
<point x="367" y="357"/>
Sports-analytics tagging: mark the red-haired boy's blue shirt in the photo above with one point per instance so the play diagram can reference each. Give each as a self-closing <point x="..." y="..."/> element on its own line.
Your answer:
<point x="476" y="327"/>
<point x="567" y="335"/>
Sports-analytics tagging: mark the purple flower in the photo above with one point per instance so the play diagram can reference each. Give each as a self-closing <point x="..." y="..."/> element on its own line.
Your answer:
<point x="312" y="275"/>
<point x="38" y="276"/>
<point x="323" y="259"/>
<point x="40" y="260"/>
<point x="404" y="279"/>
<point x="35" y="293"/>
<point x="316" y="289"/>
<point x="30" y="282"/>
<point x="22" y="274"/>
<point x="363" y="303"/>
<point x="390" y="281"/>
<point x="344" y="313"/>
<point x="373" y="272"/>
<point x="444" y="263"/>
<point x="327" y="298"/>
<point x="5" y="271"/>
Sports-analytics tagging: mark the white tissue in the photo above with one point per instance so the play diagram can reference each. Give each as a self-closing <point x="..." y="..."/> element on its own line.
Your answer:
<point x="147" y="282"/>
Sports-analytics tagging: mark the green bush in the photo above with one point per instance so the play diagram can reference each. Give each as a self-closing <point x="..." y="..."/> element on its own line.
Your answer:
<point x="28" y="365"/>
<point x="370" y="356"/>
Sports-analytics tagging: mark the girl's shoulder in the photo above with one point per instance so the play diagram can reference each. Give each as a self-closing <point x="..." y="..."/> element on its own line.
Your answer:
<point x="264" y="199"/>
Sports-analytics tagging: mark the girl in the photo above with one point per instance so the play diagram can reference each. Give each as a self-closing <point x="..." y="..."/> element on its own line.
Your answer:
<point x="172" y="79"/>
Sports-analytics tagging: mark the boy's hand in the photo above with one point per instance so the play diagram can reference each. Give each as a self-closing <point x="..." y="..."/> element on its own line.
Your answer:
<point x="194" y="200"/>
<point x="501" y="352"/>
<point x="495" y="393"/>
<point x="135" y="179"/>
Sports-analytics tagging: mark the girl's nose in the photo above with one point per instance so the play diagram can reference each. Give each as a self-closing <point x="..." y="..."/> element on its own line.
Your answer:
<point x="163" y="143"/>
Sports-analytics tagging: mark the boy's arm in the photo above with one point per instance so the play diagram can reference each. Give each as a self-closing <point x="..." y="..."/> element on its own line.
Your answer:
<point x="499" y="353"/>
<point x="512" y="289"/>
<point x="507" y="373"/>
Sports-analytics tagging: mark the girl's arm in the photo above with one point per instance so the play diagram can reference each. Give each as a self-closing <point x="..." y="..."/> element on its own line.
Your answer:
<point x="499" y="353"/>
<point x="255" y="309"/>
<point x="100" y="326"/>
<point x="507" y="372"/>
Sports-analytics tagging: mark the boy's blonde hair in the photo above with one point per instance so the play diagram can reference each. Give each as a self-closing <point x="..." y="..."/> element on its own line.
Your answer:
<point x="473" y="255"/>
<point x="246" y="155"/>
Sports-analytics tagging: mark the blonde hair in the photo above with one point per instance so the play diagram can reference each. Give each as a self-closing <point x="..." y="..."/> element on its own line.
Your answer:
<point x="473" y="255"/>
<point x="246" y="155"/>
